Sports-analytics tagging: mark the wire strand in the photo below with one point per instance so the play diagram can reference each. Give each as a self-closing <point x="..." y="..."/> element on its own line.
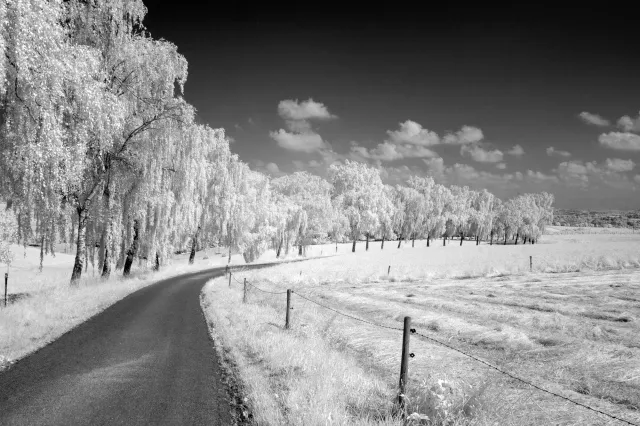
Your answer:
<point x="506" y="373"/>
<point x="259" y="289"/>
<point x="346" y="315"/>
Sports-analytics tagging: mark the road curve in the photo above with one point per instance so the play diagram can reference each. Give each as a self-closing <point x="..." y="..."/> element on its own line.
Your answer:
<point x="146" y="360"/>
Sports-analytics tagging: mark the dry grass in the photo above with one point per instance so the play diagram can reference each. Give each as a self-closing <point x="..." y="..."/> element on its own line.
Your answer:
<point x="573" y="333"/>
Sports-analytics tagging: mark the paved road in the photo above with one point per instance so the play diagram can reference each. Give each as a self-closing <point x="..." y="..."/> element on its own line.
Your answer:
<point x="147" y="359"/>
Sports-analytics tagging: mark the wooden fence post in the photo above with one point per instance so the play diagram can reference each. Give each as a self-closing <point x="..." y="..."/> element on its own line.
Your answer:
<point x="404" y="366"/>
<point x="389" y="270"/>
<point x="6" y="281"/>
<point x="229" y="279"/>
<point x="286" y="321"/>
<point x="244" y="296"/>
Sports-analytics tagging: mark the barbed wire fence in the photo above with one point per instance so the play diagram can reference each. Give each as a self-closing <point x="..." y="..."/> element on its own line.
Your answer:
<point x="407" y="331"/>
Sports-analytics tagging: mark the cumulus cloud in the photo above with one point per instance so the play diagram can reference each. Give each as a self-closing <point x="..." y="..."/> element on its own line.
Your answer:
<point x="467" y="134"/>
<point x="551" y="151"/>
<point x="300" y="136"/>
<point x="501" y="166"/>
<point x="305" y="110"/>
<point x="540" y="177"/>
<point x="619" y="165"/>
<point x="577" y="173"/>
<point x="573" y="173"/>
<point x="272" y="168"/>
<point x="388" y="151"/>
<point x="621" y="141"/>
<point x="411" y="140"/>
<point x="593" y="119"/>
<point x="481" y="155"/>
<point x="629" y="124"/>
<point x="413" y="133"/>
<point x="305" y="142"/>
<point x="516" y="151"/>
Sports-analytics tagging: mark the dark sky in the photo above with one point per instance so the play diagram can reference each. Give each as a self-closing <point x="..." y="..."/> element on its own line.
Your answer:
<point x="521" y="74"/>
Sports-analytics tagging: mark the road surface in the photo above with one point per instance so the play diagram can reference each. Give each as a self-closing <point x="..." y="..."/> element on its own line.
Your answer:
<point x="146" y="360"/>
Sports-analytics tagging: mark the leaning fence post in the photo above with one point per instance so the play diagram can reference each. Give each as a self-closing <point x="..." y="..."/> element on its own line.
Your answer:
<point x="286" y="321"/>
<point x="404" y="365"/>
<point x="229" y="279"/>
<point x="6" y="281"/>
<point x="530" y="263"/>
<point x="389" y="270"/>
<point x="244" y="295"/>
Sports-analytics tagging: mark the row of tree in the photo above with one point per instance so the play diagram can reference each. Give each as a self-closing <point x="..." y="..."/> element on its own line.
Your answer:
<point x="99" y="148"/>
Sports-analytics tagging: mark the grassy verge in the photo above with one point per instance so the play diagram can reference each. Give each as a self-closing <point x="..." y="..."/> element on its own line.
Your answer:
<point x="49" y="308"/>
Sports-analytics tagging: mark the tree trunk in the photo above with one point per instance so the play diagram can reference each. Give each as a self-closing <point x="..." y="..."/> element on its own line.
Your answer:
<point x="107" y="255"/>
<point x="428" y="240"/>
<point x="81" y="247"/>
<point x="444" y="240"/>
<point x="524" y="240"/>
<point x="461" y="238"/>
<point x="279" y="249"/>
<point x="133" y="250"/>
<point x="229" y="260"/>
<point x="41" y="251"/>
<point x="156" y="267"/>
<point x="336" y="245"/>
<point x="505" y="239"/>
<point x="413" y="241"/>
<point x="367" y="246"/>
<point x="353" y="249"/>
<point x="517" y="236"/>
<point x="382" y="246"/>
<point x="194" y="245"/>
<point x="300" y="250"/>
<point x="491" y="241"/>
<point x="477" y="240"/>
<point x="399" y="241"/>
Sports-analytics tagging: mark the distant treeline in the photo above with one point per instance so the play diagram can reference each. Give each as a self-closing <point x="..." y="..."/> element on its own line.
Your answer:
<point x="606" y="219"/>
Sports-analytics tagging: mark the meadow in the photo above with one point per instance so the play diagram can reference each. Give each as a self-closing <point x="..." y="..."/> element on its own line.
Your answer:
<point x="569" y="324"/>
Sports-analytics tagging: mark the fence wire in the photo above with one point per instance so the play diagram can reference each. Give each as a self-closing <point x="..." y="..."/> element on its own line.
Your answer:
<point x="448" y="346"/>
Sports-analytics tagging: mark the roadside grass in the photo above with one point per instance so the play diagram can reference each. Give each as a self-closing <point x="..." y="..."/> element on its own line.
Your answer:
<point x="43" y="306"/>
<point x="573" y="333"/>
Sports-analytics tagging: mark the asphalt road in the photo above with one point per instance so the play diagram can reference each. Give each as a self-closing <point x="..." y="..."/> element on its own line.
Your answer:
<point x="146" y="360"/>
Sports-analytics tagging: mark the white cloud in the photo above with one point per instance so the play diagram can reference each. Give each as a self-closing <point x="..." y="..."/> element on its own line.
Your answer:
<point x="305" y="142"/>
<point x="540" y="177"/>
<point x="388" y="152"/>
<point x="629" y="124"/>
<point x="573" y="173"/>
<point x="305" y="110"/>
<point x="467" y="134"/>
<point x="551" y="151"/>
<point x="501" y="166"/>
<point x="301" y="136"/>
<point x="273" y="168"/>
<point x="516" y="151"/>
<point x="413" y="133"/>
<point x="621" y="141"/>
<point x="593" y="119"/>
<point x="411" y="141"/>
<point x="481" y="155"/>
<point x="619" y="165"/>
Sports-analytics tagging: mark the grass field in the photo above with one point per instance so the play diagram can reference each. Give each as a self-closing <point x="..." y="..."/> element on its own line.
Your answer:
<point x="571" y="326"/>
